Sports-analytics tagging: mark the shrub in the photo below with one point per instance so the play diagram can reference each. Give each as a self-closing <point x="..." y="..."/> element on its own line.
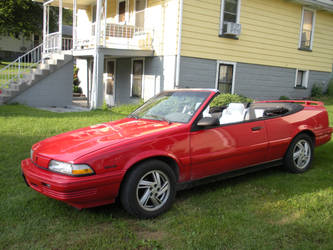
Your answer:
<point x="225" y="99"/>
<point x="77" y="89"/>
<point x="330" y="88"/>
<point x="76" y="81"/>
<point x="283" y="97"/>
<point x="317" y="90"/>
<point x="105" y="106"/>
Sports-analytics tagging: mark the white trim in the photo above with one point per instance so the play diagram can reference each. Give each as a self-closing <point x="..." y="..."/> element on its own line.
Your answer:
<point x="143" y="75"/>
<point x="313" y="26"/>
<point x="60" y="25"/>
<point x="179" y="45"/>
<point x="126" y="11"/>
<point x="74" y="35"/>
<point x="234" y="64"/>
<point x="222" y="15"/>
<point x="104" y="23"/>
<point x="305" y="78"/>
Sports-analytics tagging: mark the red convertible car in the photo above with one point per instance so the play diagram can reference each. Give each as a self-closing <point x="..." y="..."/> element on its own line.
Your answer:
<point x="175" y="140"/>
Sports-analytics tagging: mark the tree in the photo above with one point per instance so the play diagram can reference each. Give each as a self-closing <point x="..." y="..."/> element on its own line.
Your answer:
<point x="24" y="17"/>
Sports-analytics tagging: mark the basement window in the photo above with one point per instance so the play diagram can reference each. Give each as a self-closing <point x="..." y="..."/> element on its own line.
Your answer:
<point x="302" y="78"/>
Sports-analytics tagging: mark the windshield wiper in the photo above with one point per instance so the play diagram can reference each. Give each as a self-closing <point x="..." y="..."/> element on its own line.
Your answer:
<point x="133" y="116"/>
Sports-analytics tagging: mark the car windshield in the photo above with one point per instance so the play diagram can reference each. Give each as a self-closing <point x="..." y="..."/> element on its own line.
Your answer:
<point x="177" y="106"/>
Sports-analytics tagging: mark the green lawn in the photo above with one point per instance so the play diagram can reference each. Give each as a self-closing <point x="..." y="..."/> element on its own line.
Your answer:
<point x="271" y="209"/>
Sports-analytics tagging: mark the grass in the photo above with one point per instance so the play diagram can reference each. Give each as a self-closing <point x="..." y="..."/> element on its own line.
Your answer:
<point x="271" y="209"/>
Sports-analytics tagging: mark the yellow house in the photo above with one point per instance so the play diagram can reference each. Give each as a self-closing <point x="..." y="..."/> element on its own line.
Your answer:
<point x="128" y="50"/>
<point x="258" y="48"/>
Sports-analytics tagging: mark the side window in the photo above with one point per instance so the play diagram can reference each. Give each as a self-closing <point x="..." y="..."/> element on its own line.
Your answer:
<point x="307" y="27"/>
<point x="140" y="6"/>
<point x="121" y="11"/>
<point x="229" y="19"/>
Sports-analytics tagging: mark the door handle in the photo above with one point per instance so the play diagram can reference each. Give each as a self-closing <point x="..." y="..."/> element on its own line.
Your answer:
<point x="256" y="128"/>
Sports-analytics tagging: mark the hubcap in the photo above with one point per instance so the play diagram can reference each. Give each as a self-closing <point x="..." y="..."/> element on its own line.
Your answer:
<point x="302" y="154"/>
<point x="153" y="190"/>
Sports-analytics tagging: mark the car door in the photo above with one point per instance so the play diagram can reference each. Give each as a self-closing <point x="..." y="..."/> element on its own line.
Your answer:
<point x="227" y="147"/>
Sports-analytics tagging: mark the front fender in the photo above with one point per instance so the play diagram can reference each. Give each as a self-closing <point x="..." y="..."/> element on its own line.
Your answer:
<point x="155" y="154"/>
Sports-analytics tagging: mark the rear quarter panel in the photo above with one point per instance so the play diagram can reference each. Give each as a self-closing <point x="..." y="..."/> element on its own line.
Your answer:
<point x="281" y="130"/>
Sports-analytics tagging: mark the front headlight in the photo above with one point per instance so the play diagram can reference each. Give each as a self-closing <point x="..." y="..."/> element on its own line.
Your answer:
<point x="70" y="169"/>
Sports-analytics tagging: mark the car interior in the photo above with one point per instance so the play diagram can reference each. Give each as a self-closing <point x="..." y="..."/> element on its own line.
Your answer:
<point x="240" y="112"/>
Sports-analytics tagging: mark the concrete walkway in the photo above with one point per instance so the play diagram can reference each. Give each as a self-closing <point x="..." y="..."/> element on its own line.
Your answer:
<point x="75" y="107"/>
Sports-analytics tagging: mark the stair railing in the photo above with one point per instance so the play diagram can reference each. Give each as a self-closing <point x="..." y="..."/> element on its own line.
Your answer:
<point x="30" y="60"/>
<point x="24" y="64"/>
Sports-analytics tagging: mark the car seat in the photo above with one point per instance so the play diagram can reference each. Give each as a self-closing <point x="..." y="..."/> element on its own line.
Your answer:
<point x="233" y="113"/>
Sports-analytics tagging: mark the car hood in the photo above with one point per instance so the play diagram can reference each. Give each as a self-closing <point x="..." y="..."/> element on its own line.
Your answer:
<point x="74" y="144"/>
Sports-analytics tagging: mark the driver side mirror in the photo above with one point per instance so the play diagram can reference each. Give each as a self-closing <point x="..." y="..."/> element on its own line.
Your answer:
<point x="208" y="122"/>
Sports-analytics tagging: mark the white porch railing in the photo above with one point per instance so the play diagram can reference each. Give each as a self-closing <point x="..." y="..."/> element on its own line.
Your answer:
<point x="54" y="42"/>
<point x="16" y="70"/>
<point x="119" y="36"/>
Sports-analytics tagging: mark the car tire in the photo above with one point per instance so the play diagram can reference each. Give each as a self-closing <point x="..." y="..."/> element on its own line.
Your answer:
<point x="149" y="189"/>
<point x="299" y="155"/>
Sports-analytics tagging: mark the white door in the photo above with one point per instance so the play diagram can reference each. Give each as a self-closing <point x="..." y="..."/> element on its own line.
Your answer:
<point x="109" y="81"/>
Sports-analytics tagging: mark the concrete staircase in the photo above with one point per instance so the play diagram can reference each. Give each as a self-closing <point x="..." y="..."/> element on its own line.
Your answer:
<point x="50" y="65"/>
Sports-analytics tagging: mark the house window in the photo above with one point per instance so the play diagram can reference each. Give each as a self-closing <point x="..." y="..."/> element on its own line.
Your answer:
<point x="137" y="78"/>
<point x="302" y="78"/>
<point x="225" y="78"/>
<point x="140" y="6"/>
<point x="121" y="11"/>
<point x="307" y="26"/>
<point x="230" y="11"/>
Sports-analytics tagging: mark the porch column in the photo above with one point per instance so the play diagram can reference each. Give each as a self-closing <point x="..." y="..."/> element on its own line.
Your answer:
<point x="98" y="23"/>
<point x="44" y="28"/>
<point x="97" y="88"/>
<point x="97" y="96"/>
<point x="105" y="16"/>
<point x="60" y="26"/>
<point x="74" y="23"/>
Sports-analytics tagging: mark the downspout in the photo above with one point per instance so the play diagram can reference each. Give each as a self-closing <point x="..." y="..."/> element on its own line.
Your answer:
<point x="180" y="24"/>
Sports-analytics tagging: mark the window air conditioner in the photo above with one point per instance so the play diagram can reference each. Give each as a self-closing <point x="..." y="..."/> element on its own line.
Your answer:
<point x="233" y="29"/>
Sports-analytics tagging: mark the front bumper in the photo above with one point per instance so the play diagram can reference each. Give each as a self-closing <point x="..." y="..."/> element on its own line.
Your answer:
<point x="80" y="192"/>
